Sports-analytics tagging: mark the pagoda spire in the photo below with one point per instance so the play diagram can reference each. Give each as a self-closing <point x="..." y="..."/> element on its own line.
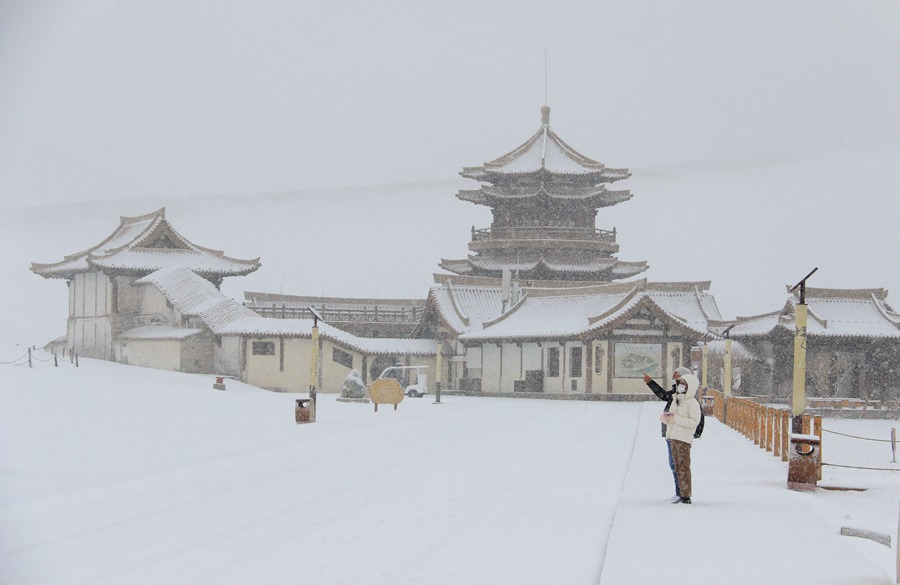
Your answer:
<point x="544" y="196"/>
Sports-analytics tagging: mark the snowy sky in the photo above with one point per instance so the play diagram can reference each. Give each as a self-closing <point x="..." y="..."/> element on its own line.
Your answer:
<point x="109" y="99"/>
<point x="769" y="130"/>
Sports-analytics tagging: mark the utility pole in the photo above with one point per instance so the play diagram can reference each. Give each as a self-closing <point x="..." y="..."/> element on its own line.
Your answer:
<point x="799" y="397"/>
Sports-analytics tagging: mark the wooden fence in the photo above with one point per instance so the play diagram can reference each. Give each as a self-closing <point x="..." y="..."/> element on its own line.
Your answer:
<point x="767" y="426"/>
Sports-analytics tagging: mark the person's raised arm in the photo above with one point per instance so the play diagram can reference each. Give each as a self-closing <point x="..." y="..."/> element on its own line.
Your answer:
<point x="660" y="392"/>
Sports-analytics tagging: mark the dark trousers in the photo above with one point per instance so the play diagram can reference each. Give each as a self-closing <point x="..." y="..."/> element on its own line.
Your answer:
<point x="681" y="453"/>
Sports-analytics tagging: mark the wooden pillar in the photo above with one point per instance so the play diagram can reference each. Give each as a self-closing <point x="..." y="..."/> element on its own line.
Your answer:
<point x="785" y="434"/>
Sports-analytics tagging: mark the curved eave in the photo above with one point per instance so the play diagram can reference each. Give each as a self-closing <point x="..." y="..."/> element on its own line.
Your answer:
<point x="475" y="196"/>
<point x="65" y="269"/>
<point x="72" y="264"/>
<point x="461" y="267"/>
<point x="595" y="199"/>
<point x="226" y="266"/>
<point x="626" y="269"/>
<point x="544" y="152"/>
<point x="490" y="175"/>
<point x="152" y="220"/>
<point x="610" y="267"/>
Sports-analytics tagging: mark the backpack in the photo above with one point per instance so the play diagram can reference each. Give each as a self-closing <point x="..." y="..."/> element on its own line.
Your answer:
<point x="699" y="430"/>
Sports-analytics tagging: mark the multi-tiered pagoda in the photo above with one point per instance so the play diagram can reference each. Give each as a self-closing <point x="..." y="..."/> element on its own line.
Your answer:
<point x="544" y="196"/>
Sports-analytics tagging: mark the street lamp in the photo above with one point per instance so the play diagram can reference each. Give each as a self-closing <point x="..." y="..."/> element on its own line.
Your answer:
<point x="799" y="398"/>
<point x="314" y="363"/>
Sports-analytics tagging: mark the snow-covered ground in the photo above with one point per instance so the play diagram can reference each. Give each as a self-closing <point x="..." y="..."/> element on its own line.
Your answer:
<point x="117" y="474"/>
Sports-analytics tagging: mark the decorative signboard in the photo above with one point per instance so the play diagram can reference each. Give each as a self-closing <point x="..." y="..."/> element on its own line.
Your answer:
<point x="633" y="360"/>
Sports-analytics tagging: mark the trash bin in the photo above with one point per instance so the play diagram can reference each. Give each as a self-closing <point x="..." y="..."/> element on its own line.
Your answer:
<point x="803" y="463"/>
<point x="301" y="413"/>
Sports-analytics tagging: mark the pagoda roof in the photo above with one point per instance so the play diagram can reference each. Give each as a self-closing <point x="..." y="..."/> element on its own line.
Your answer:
<point x="830" y="313"/>
<point x="595" y="196"/>
<point x="596" y="266"/>
<point x="545" y="152"/>
<point x="143" y="244"/>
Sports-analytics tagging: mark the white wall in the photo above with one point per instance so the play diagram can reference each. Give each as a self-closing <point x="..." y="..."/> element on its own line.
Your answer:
<point x="163" y="354"/>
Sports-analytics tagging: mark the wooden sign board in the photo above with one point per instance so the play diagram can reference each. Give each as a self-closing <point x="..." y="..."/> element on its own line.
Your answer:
<point x="386" y="391"/>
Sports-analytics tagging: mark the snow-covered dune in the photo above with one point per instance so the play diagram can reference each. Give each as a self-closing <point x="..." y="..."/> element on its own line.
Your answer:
<point x="749" y="227"/>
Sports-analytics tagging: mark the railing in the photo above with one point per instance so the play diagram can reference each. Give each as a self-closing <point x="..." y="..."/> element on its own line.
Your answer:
<point x="842" y="403"/>
<point x="544" y="233"/>
<point x="767" y="426"/>
<point x="284" y="311"/>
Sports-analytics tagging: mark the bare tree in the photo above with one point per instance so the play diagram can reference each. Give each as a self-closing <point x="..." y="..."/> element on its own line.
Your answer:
<point x="827" y="371"/>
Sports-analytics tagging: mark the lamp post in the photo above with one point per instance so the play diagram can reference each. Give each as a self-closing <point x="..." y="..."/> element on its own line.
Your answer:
<point x="314" y="364"/>
<point x="437" y="372"/>
<point x="704" y="363"/>
<point x="799" y="397"/>
<point x="727" y="359"/>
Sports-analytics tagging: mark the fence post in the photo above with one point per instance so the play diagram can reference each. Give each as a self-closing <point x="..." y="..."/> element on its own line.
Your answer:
<point x="894" y="452"/>
<point x="817" y="431"/>
<point x="760" y="426"/>
<point x="785" y="434"/>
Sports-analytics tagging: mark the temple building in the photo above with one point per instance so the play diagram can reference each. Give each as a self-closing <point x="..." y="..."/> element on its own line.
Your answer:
<point x="544" y="197"/>
<point x="562" y="338"/>
<point x="104" y="302"/>
<point x="852" y="345"/>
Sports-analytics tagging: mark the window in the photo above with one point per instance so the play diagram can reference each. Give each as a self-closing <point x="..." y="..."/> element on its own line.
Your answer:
<point x="263" y="348"/>
<point x="552" y="362"/>
<point x="342" y="357"/>
<point x="575" y="362"/>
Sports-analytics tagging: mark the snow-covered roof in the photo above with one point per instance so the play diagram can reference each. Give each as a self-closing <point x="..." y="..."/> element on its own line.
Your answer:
<point x="596" y="266"/>
<point x="143" y="244"/>
<point x="595" y="196"/>
<point x="466" y="307"/>
<point x="474" y="311"/>
<point x="738" y="349"/>
<point x="545" y="151"/>
<point x="271" y="327"/>
<point x="159" y="332"/>
<point x="830" y="313"/>
<point x="194" y="296"/>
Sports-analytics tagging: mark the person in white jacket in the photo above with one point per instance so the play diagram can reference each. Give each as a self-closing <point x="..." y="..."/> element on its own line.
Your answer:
<point x="681" y="422"/>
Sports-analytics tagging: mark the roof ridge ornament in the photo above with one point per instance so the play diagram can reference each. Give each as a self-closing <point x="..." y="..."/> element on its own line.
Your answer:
<point x="545" y="116"/>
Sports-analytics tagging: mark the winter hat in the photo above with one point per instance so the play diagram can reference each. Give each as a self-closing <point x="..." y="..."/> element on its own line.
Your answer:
<point x="682" y="371"/>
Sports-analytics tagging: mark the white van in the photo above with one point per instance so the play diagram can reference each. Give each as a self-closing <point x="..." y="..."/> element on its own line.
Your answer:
<point x="413" y="378"/>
